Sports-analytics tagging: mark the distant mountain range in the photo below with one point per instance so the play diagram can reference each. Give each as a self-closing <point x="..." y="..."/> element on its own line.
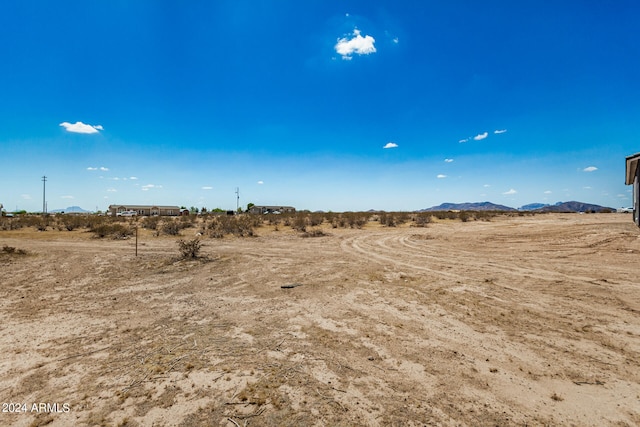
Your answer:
<point x="478" y="206"/>
<point x="70" y="209"/>
<point x="532" y="207"/>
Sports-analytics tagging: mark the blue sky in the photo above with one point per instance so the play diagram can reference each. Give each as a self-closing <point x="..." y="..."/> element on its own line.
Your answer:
<point x="322" y="105"/>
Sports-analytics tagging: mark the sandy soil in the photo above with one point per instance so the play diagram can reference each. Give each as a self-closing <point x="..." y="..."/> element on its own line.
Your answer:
<point x="516" y="321"/>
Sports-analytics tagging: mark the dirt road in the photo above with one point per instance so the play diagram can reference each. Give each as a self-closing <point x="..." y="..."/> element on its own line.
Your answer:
<point x="529" y="320"/>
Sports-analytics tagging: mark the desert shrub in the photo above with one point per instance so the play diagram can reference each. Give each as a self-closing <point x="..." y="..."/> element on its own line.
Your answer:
<point x="115" y="231"/>
<point x="353" y="219"/>
<point x="445" y="214"/>
<point x="388" y="219"/>
<point x="315" y="219"/>
<point x="422" y="219"/>
<point x="9" y="224"/>
<point x="300" y="223"/>
<point x="464" y="216"/>
<point x="150" y="222"/>
<point x="189" y="249"/>
<point x="71" y="222"/>
<point x="42" y="222"/>
<point x="13" y="251"/>
<point x="316" y="232"/>
<point x="401" y="217"/>
<point x="92" y="221"/>
<point x="171" y="228"/>
<point x="238" y="225"/>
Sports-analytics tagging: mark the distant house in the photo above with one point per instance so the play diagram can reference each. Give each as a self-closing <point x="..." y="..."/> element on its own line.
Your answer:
<point x="148" y="210"/>
<point x="632" y="177"/>
<point x="271" y="209"/>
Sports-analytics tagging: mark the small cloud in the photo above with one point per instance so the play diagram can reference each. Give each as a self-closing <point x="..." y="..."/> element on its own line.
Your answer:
<point x="133" y="178"/>
<point x="590" y="169"/>
<point x="207" y="188"/>
<point x="102" y="168"/>
<point x="462" y="141"/>
<point x="510" y="192"/>
<point x="92" y="169"/>
<point x="586" y="188"/>
<point x="391" y="145"/>
<point x="441" y="176"/>
<point x="547" y="192"/>
<point x="260" y="182"/>
<point x="481" y="136"/>
<point x="499" y="131"/>
<point x="150" y="186"/>
<point x="396" y="40"/>
<point x="448" y="160"/>
<point x="79" y="127"/>
<point x="486" y="185"/>
<point x="25" y="197"/>
<point x="356" y="44"/>
<point x="111" y="190"/>
<point x="67" y="197"/>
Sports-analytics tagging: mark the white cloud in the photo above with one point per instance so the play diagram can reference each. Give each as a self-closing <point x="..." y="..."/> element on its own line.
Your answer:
<point x="547" y="192"/>
<point x="67" y="197"/>
<point x="499" y="131"/>
<point x="441" y="176"/>
<point x="448" y="160"/>
<point x="510" y="192"/>
<point x="481" y="136"/>
<point x="486" y="185"/>
<point x="92" y="169"/>
<point x="590" y="169"/>
<point x="357" y="44"/>
<point x="111" y="190"/>
<point x="25" y="196"/>
<point x="462" y="141"/>
<point x="260" y="182"/>
<point x="133" y="178"/>
<point x="391" y="145"/>
<point x="102" y="168"/>
<point x="586" y="188"/>
<point x="207" y="188"/>
<point x="79" y="127"/>
<point x="149" y="186"/>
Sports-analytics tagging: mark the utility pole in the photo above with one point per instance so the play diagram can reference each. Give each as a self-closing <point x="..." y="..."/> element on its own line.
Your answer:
<point x="44" y="193"/>
<point x="237" y="199"/>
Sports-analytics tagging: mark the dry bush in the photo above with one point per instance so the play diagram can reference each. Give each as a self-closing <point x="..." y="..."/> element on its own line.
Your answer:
<point x="7" y="224"/>
<point x="300" y="223"/>
<point x="10" y="250"/>
<point x="315" y="219"/>
<point x="70" y="222"/>
<point x="316" y="232"/>
<point x="422" y="219"/>
<point x="150" y="222"/>
<point x="388" y="219"/>
<point x="114" y="230"/>
<point x="189" y="249"/>
<point x="238" y="225"/>
<point x="445" y="214"/>
<point x="465" y="216"/>
<point x="171" y="228"/>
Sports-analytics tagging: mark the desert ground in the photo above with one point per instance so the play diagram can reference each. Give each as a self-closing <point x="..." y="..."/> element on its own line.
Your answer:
<point x="518" y="320"/>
